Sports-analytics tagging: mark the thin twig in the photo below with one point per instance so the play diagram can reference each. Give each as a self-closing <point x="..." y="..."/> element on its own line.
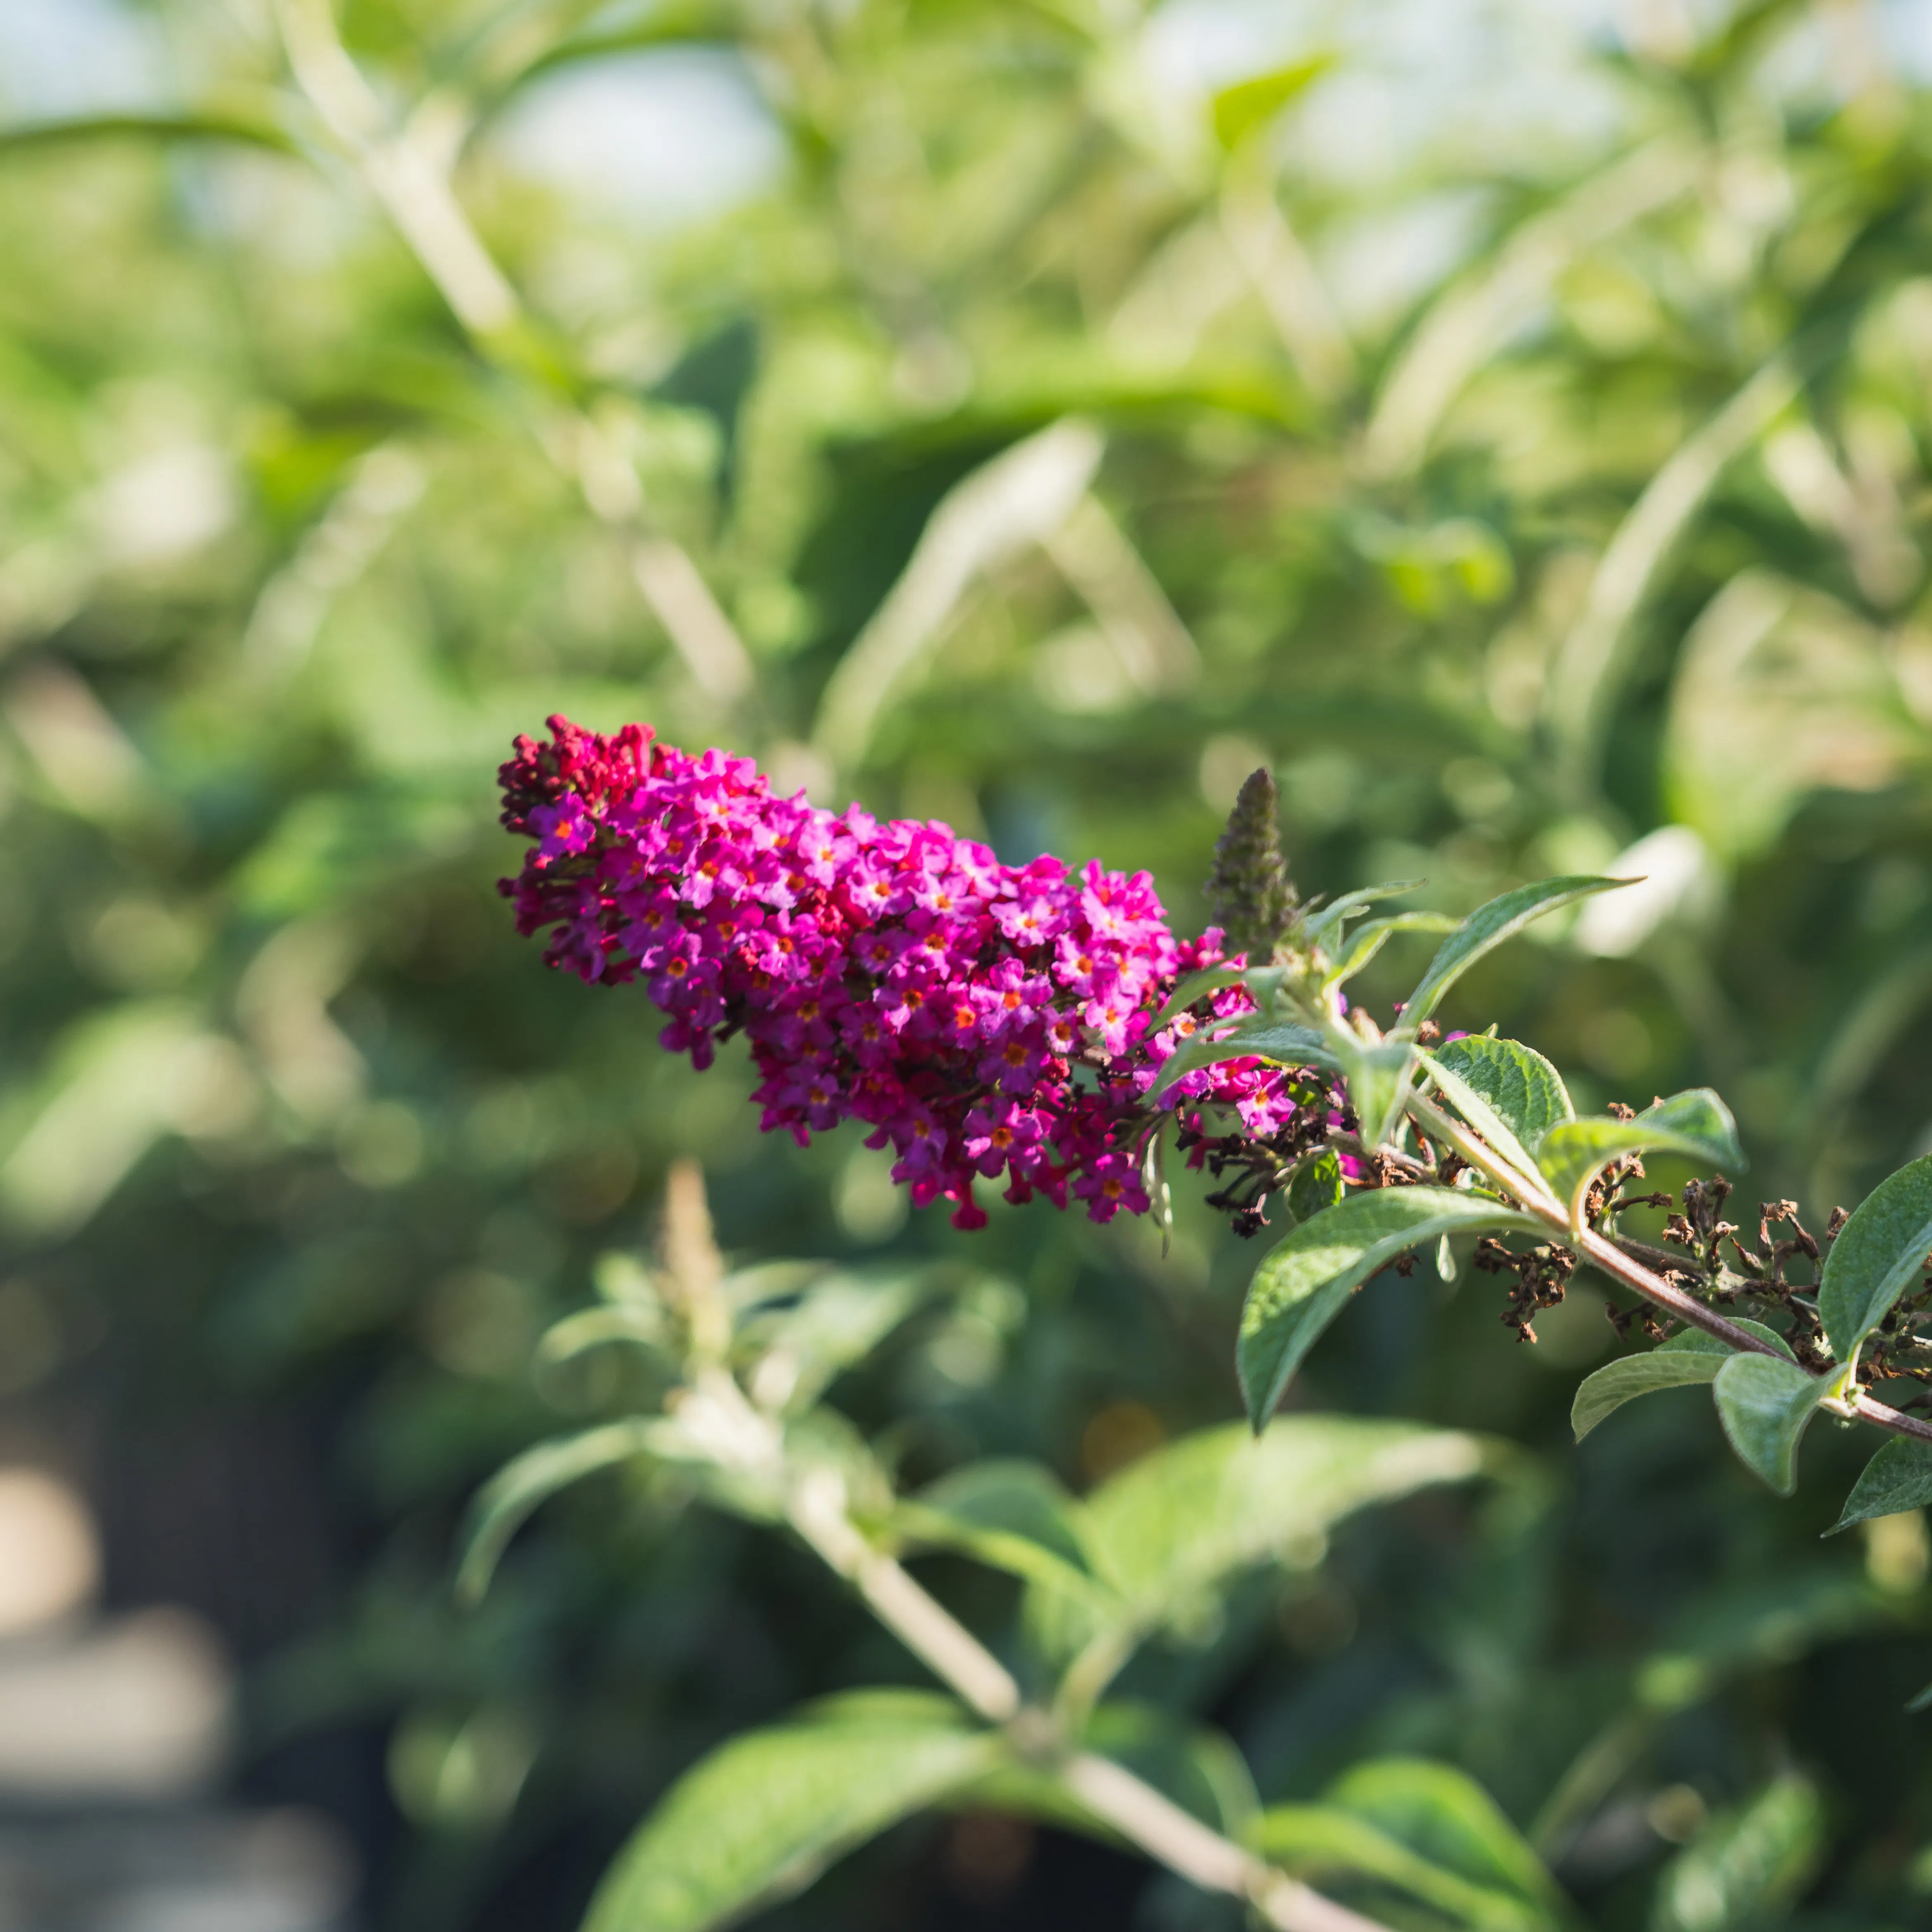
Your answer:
<point x="404" y="172"/>
<point x="1111" y="1793"/>
<point x="1537" y="1200"/>
<point x="1179" y="1841"/>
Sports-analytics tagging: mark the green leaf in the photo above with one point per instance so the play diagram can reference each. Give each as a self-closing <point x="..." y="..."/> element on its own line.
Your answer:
<point x="1696" y="1124"/>
<point x="1305" y="1279"/>
<point x="253" y="131"/>
<point x="643" y="1327"/>
<point x="1691" y="1357"/>
<point x="1878" y="1254"/>
<point x="1444" y="1815"/>
<point x="1249" y="105"/>
<point x="1378" y="1079"/>
<point x="516" y="1489"/>
<point x="1318" y="928"/>
<point x="1369" y="940"/>
<point x="1485" y="929"/>
<point x="1012" y="1514"/>
<point x="1747" y="1867"/>
<point x="1764" y="1404"/>
<point x="1322" y="1843"/>
<point x="1197" y="986"/>
<point x="762" y="1816"/>
<point x="1167" y="1532"/>
<point x="1287" y="1045"/>
<point x="1521" y="1087"/>
<point x="1315" y="1188"/>
<point x="1898" y="1478"/>
<point x="840" y="1316"/>
<point x="1475" y="1108"/>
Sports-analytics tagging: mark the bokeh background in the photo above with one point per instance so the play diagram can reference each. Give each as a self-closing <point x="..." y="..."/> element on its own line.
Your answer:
<point x="1510" y="421"/>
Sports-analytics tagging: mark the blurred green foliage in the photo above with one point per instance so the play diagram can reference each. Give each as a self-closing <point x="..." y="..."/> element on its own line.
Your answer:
<point x="1524" y="449"/>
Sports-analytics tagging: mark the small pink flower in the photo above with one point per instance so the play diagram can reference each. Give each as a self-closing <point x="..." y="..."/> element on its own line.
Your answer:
<point x="891" y="974"/>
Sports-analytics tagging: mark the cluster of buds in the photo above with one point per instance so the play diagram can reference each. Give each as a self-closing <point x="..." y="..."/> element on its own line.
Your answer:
<point x="985" y="1020"/>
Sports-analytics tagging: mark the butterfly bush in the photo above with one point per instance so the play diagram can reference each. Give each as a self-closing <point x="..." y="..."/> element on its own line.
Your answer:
<point x="986" y="1020"/>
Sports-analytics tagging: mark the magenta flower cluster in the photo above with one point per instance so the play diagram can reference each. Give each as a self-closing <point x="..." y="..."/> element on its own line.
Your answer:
<point x="985" y="1020"/>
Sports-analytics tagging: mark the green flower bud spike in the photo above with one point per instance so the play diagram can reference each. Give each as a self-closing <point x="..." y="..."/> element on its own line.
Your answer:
<point x="1249" y="891"/>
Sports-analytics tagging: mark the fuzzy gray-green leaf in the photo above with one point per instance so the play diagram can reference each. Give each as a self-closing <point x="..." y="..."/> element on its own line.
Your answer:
<point x="1764" y="1404"/>
<point x="1444" y="1815"/>
<point x="1474" y="1108"/>
<point x="1485" y="929"/>
<point x="1380" y="1079"/>
<point x="1685" y="1360"/>
<point x="1695" y="1124"/>
<point x="1899" y="1478"/>
<point x="1520" y="1084"/>
<point x="1877" y="1255"/>
<point x="1305" y="1279"/>
<point x="1168" y="1532"/>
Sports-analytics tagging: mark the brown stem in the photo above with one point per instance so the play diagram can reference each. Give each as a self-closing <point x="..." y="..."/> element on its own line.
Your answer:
<point x="1536" y="1200"/>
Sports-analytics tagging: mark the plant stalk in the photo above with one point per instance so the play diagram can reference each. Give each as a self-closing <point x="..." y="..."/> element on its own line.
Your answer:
<point x="1111" y="1794"/>
<point x="407" y="179"/>
<point x="1535" y="1199"/>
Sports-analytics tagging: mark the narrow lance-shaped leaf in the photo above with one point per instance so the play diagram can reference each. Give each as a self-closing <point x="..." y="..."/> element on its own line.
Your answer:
<point x="253" y="131"/>
<point x="1319" y="1842"/>
<point x="1696" y="1124"/>
<point x="1684" y="1361"/>
<point x="1485" y="929"/>
<point x="1368" y="940"/>
<point x="762" y="1815"/>
<point x="1899" y="1478"/>
<point x="1520" y="1084"/>
<point x="1304" y="1281"/>
<point x="1764" y="1404"/>
<point x="516" y="1489"/>
<point x="597" y="1328"/>
<point x="1319" y="927"/>
<point x="1878" y="1254"/>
